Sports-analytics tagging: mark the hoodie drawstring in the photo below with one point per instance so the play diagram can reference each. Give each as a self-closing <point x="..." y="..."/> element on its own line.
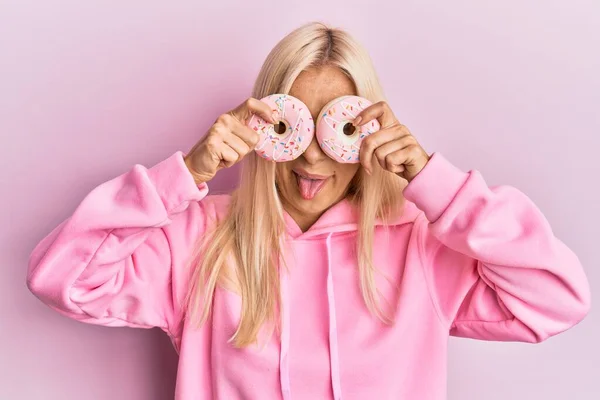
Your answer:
<point x="284" y="362"/>
<point x="284" y="366"/>
<point x="334" y="360"/>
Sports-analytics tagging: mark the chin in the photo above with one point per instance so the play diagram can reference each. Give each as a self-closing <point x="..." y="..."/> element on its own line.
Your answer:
<point x="313" y="206"/>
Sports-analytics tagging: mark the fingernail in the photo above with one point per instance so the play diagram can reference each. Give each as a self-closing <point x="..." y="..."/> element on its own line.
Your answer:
<point x="275" y="117"/>
<point x="357" y="120"/>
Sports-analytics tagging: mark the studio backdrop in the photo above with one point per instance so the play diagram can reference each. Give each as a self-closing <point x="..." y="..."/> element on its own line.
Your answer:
<point x="89" y="88"/>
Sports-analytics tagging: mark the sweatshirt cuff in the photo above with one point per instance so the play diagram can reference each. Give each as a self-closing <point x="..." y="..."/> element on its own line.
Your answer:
<point x="434" y="188"/>
<point x="174" y="183"/>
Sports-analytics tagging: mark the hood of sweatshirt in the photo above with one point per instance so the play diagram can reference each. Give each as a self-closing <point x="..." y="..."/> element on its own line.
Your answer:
<point x="344" y="217"/>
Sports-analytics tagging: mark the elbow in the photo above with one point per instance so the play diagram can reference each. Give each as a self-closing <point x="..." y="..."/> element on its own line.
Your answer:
<point x="52" y="291"/>
<point x="45" y="281"/>
<point x="576" y="301"/>
<point x="39" y="279"/>
<point x="570" y="300"/>
<point x="581" y="303"/>
<point x="33" y="283"/>
<point x="567" y="311"/>
<point x="37" y="285"/>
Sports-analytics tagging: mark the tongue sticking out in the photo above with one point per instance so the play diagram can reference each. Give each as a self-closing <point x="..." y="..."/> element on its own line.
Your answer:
<point x="310" y="187"/>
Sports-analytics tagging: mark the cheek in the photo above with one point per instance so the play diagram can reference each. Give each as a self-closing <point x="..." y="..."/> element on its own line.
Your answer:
<point x="345" y="173"/>
<point x="283" y="174"/>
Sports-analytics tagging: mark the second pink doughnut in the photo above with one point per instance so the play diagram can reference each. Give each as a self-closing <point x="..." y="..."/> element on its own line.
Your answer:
<point x="338" y="138"/>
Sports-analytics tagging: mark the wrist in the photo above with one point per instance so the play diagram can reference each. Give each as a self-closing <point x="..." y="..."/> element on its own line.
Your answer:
<point x="198" y="178"/>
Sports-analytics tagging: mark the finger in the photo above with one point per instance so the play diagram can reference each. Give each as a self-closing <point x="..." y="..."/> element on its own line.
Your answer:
<point x="236" y="143"/>
<point x="251" y="106"/>
<point x="244" y="133"/>
<point x="227" y="123"/>
<point x="395" y="161"/>
<point x="380" y="111"/>
<point x="228" y="156"/>
<point x="383" y="151"/>
<point x="372" y="142"/>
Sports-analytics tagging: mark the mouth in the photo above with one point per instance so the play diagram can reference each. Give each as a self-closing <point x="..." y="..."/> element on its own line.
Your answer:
<point x="309" y="185"/>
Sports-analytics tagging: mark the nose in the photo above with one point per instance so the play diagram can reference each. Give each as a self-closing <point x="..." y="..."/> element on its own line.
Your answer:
<point x="313" y="153"/>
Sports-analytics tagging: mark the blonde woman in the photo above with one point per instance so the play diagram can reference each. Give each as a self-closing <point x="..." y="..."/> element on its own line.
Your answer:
<point x="315" y="279"/>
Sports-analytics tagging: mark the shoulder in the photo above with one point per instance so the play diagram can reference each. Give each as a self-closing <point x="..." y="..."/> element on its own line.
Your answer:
<point x="409" y="214"/>
<point x="216" y="206"/>
<point x="189" y="225"/>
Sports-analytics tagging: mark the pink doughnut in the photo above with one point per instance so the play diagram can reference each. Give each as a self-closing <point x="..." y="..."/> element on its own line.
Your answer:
<point x="289" y="138"/>
<point x="337" y="115"/>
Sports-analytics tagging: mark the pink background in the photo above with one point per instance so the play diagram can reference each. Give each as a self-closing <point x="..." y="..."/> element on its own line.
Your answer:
<point x="88" y="88"/>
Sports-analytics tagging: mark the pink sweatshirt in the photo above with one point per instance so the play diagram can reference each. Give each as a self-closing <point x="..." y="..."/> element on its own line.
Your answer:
<point x="469" y="260"/>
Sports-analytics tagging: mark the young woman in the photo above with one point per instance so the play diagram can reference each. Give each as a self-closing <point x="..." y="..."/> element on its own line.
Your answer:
<point x="315" y="279"/>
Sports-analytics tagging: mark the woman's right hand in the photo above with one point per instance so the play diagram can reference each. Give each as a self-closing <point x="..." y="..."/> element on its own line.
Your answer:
<point x="227" y="141"/>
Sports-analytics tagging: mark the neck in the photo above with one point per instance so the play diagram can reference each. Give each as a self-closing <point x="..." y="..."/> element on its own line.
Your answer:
<point x="303" y="219"/>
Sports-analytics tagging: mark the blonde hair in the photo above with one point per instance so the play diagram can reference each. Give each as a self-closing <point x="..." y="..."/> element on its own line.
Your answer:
<point x="245" y="249"/>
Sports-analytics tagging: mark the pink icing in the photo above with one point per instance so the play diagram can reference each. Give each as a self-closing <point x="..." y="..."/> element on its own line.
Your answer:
<point x="292" y="143"/>
<point x="330" y="124"/>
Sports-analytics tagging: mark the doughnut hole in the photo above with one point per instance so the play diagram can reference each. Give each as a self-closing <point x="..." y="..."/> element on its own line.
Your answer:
<point x="280" y="127"/>
<point x="349" y="129"/>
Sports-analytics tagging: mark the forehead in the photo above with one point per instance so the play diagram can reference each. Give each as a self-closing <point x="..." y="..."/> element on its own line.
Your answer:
<point x="315" y="87"/>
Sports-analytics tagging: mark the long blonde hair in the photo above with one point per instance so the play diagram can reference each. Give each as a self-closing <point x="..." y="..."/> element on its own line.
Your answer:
<point x="246" y="247"/>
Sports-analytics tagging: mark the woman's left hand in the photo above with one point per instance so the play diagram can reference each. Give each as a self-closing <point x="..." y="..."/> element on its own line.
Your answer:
<point x="393" y="146"/>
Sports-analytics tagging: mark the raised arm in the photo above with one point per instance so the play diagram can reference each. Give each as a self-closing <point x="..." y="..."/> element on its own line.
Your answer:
<point x="495" y="269"/>
<point x="120" y="259"/>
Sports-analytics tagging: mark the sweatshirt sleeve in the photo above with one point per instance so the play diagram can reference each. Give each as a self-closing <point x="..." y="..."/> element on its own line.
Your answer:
<point x="117" y="259"/>
<point x="493" y="265"/>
